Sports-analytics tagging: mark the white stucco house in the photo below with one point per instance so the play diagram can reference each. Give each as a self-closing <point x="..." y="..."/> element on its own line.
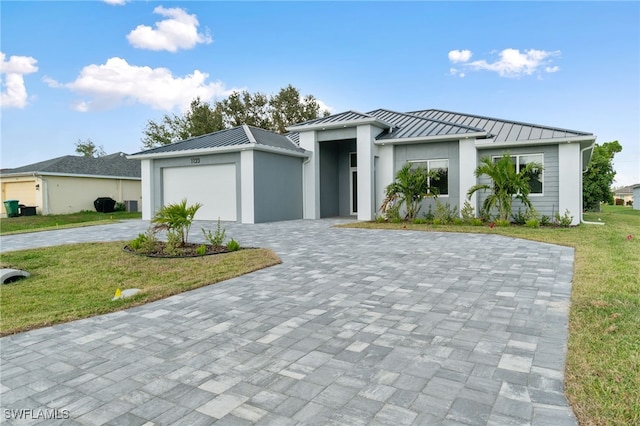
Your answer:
<point x="340" y="165"/>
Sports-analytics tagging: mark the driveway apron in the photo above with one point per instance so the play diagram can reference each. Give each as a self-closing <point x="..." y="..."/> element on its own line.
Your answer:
<point x="355" y="327"/>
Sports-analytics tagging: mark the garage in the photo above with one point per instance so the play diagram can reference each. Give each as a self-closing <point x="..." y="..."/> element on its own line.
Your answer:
<point x="213" y="186"/>
<point x="23" y="191"/>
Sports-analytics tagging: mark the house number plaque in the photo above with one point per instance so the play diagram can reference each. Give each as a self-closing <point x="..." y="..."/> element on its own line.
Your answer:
<point x="195" y="160"/>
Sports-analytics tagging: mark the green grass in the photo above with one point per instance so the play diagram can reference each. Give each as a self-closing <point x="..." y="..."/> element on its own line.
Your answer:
<point x="602" y="376"/>
<point x="20" y="224"/>
<point x="77" y="281"/>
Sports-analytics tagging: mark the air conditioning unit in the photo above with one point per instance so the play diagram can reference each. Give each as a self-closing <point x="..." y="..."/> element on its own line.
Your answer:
<point x="131" y="205"/>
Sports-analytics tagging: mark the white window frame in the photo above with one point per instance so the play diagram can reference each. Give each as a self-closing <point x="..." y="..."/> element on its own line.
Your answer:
<point x="428" y="163"/>
<point x="517" y="157"/>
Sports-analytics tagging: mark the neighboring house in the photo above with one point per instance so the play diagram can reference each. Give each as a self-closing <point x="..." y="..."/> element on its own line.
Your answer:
<point x="625" y="194"/>
<point x="340" y="165"/>
<point x="636" y="196"/>
<point x="72" y="183"/>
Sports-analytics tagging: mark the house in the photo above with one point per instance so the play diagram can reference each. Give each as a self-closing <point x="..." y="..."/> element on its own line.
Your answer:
<point x="340" y="165"/>
<point x="71" y="183"/>
<point x="636" y="196"/>
<point x="625" y="194"/>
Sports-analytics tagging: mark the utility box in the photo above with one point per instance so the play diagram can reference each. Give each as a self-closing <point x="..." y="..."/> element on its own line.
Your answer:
<point x="131" y="205"/>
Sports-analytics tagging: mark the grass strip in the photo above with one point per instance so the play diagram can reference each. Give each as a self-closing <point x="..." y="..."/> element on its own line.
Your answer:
<point x="22" y="224"/>
<point x="76" y="281"/>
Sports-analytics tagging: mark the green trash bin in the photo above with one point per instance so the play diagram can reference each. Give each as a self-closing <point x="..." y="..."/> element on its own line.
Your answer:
<point x="11" y="206"/>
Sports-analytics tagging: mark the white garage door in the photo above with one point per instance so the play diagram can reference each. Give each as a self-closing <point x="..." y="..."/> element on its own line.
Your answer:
<point x="212" y="186"/>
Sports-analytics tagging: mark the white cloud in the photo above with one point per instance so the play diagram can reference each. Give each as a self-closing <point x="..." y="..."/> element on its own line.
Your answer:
<point x="14" y="92"/>
<point x="456" y="56"/>
<point x="179" y="31"/>
<point x="116" y="2"/>
<point x="513" y="63"/>
<point x="116" y="82"/>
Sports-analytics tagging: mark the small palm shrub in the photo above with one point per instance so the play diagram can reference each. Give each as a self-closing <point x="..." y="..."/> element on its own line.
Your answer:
<point x="176" y="217"/>
<point x="410" y="188"/>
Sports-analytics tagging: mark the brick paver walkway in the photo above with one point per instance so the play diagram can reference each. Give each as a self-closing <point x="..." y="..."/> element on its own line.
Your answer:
<point x="355" y="327"/>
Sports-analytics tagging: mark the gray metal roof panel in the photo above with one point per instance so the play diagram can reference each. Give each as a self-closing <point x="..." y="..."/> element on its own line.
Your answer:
<point x="502" y="130"/>
<point x="412" y="126"/>
<point x="266" y="137"/>
<point x="116" y="165"/>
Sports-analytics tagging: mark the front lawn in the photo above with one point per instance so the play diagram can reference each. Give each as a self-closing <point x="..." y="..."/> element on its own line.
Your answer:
<point x="603" y="361"/>
<point x="77" y="281"/>
<point x="15" y="225"/>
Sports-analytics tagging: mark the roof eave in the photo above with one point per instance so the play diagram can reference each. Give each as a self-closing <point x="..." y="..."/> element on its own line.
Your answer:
<point x="490" y="143"/>
<point x="219" y="150"/>
<point x="437" y="138"/>
<point x="76" y="175"/>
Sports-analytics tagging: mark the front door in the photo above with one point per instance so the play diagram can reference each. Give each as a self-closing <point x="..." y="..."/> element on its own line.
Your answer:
<point x="353" y="182"/>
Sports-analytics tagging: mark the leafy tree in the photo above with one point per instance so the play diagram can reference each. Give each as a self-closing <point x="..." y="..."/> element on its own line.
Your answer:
<point x="257" y="109"/>
<point x="89" y="149"/>
<point x="288" y="108"/>
<point x="410" y="188"/>
<point x="200" y="119"/>
<point x="507" y="184"/>
<point x="596" y="182"/>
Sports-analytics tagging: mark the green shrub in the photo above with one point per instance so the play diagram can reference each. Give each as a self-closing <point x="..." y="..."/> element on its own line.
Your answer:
<point x="564" y="220"/>
<point x="476" y="222"/>
<point x="545" y="220"/>
<point x="532" y="223"/>
<point x="201" y="250"/>
<point x="467" y="212"/>
<point x="444" y="212"/>
<point x="502" y="222"/>
<point x="233" y="245"/>
<point x="119" y="207"/>
<point x="457" y="221"/>
<point x="519" y="218"/>
<point x="429" y="214"/>
<point x="392" y="212"/>
<point x="174" y="243"/>
<point x="419" y="221"/>
<point x="216" y="239"/>
<point x="144" y="243"/>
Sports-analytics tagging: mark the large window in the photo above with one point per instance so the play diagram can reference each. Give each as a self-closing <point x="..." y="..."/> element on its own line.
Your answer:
<point x="441" y="167"/>
<point x="535" y="176"/>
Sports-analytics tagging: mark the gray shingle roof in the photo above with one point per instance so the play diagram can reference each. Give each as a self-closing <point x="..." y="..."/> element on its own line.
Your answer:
<point x="412" y="126"/>
<point x="116" y="165"/>
<point x="236" y="136"/>
<point x="502" y="130"/>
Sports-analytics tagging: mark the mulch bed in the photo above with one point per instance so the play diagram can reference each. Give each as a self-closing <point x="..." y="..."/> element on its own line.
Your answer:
<point x="188" y="250"/>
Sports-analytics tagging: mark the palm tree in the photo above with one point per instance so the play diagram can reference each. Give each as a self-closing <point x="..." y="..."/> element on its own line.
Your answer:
<point x="410" y="187"/>
<point x="507" y="183"/>
<point x="176" y="217"/>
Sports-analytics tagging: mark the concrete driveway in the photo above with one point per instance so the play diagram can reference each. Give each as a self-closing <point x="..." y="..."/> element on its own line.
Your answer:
<point x="355" y="327"/>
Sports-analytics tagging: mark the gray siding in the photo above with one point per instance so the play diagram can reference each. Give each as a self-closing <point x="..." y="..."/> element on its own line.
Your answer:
<point x="334" y="177"/>
<point x="277" y="187"/>
<point x="159" y="164"/>
<point x="545" y="204"/>
<point x="433" y="151"/>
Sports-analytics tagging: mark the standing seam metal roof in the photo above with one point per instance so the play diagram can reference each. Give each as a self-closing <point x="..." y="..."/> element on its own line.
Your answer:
<point x="412" y="126"/>
<point x="343" y="117"/>
<point x="502" y="130"/>
<point x="235" y="136"/>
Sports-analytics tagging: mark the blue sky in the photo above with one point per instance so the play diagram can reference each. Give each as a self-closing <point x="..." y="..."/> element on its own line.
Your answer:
<point x="100" y="70"/>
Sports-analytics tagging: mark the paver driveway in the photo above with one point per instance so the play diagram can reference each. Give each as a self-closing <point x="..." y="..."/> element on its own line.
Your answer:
<point x="355" y="327"/>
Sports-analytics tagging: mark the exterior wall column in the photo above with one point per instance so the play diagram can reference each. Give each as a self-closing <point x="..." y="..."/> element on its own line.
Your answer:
<point x="384" y="172"/>
<point x="569" y="180"/>
<point x="310" y="176"/>
<point x="365" y="135"/>
<point x="147" y="183"/>
<point x="468" y="157"/>
<point x="247" y="196"/>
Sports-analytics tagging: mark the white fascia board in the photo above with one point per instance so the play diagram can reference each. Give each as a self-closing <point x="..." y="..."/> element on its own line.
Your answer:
<point x="341" y="125"/>
<point x="490" y="143"/>
<point x="38" y="174"/>
<point x="218" y="150"/>
<point x="420" y="139"/>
